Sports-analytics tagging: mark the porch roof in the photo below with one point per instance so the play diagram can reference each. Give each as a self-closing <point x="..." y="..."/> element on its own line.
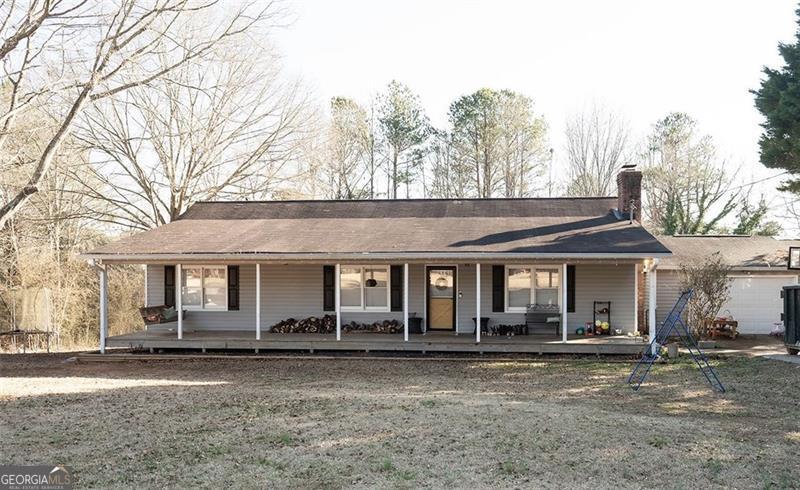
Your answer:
<point x="463" y="228"/>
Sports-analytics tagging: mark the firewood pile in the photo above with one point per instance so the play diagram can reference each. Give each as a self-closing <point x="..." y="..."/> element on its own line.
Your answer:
<point x="326" y="324"/>
<point x="509" y="330"/>
<point x="386" y="326"/>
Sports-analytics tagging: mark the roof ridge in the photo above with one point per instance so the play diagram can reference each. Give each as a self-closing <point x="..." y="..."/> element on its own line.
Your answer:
<point x="416" y="199"/>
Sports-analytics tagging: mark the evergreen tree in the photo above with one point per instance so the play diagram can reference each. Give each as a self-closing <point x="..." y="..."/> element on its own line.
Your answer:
<point x="778" y="100"/>
<point x="404" y="128"/>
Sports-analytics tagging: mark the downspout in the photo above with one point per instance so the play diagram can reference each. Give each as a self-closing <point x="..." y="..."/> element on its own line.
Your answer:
<point x="652" y="301"/>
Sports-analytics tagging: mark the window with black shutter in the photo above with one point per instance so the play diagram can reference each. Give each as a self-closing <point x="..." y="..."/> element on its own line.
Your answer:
<point x="396" y="280"/>
<point x="233" y="287"/>
<point x="498" y="288"/>
<point x="328" y="288"/>
<point x="169" y="285"/>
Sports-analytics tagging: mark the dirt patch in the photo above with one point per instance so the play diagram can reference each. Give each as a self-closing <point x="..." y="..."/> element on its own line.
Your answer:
<point x="320" y="423"/>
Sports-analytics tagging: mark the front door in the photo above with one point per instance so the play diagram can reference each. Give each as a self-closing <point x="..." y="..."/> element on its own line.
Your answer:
<point x="441" y="298"/>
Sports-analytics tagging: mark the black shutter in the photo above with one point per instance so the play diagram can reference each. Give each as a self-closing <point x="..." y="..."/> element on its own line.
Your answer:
<point x="328" y="288"/>
<point x="169" y="285"/>
<point x="396" y="274"/>
<point x="233" y="287"/>
<point x="498" y="288"/>
<point x="571" y="288"/>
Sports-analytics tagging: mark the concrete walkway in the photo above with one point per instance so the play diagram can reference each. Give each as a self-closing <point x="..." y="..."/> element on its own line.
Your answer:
<point x="785" y="358"/>
<point x="749" y="346"/>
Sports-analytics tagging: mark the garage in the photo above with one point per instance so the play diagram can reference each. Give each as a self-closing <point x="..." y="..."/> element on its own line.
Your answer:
<point x="756" y="301"/>
<point x="758" y="272"/>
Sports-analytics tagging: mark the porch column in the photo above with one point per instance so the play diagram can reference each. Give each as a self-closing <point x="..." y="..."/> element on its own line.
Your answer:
<point x="258" y="301"/>
<point x="179" y="298"/>
<point x="477" y="303"/>
<point x="405" y="302"/>
<point x="635" y="297"/>
<point x="651" y="301"/>
<point x="103" y="272"/>
<point x="146" y="290"/>
<point x="337" y="295"/>
<point x="564" y="319"/>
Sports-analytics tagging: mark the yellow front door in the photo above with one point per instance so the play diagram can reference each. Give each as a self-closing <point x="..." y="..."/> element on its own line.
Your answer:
<point x="441" y="298"/>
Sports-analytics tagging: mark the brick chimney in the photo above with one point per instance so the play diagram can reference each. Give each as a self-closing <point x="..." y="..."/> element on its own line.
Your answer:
<point x="629" y="192"/>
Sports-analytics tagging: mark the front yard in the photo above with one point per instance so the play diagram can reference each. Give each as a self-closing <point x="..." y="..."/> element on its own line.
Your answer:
<point x="336" y="423"/>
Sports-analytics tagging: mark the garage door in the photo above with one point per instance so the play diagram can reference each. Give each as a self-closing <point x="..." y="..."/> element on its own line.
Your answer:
<point x="756" y="302"/>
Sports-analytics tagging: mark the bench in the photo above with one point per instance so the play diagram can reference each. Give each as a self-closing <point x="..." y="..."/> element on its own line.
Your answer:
<point x="543" y="319"/>
<point x="157" y="315"/>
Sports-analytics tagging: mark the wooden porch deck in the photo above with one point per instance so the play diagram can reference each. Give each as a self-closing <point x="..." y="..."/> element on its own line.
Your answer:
<point x="431" y="342"/>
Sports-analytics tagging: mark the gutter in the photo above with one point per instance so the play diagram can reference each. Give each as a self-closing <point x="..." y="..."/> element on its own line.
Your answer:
<point x="739" y="268"/>
<point x="253" y="257"/>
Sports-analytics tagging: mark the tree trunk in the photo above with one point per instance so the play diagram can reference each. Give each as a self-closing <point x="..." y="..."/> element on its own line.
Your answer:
<point x="394" y="175"/>
<point x="32" y="187"/>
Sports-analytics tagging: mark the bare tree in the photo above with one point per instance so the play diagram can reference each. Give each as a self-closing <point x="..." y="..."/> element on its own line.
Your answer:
<point x="597" y="146"/>
<point x="450" y="177"/>
<point x="345" y="165"/>
<point x="522" y="144"/>
<point x="375" y="158"/>
<point x="474" y="119"/>
<point x="709" y="280"/>
<point x="223" y="128"/>
<point x="82" y="51"/>
<point x="687" y="188"/>
<point x="497" y="135"/>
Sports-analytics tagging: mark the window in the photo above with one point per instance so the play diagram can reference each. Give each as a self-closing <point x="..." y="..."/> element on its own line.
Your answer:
<point x="519" y="287"/>
<point x="531" y="285"/>
<point x="376" y="287"/>
<point x="204" y="287"/>
<point x="350" y="284"/>
<point x="546" y="286"/>
<point x="364" y="287"/>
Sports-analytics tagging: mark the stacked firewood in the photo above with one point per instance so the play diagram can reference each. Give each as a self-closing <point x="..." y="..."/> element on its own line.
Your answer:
<point x="509" y="330"/>
<point x="326" y="324"/>
<point x="386" y="326"/>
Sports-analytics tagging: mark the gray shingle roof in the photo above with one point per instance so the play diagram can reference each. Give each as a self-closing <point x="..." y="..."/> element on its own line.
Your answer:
<point x="467" y="226"/>
<point x="736" y="251"/>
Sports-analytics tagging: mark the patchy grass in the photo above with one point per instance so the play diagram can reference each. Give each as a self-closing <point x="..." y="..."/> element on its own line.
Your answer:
<point x="345" y="423"/>
<point x="658" y="442"/>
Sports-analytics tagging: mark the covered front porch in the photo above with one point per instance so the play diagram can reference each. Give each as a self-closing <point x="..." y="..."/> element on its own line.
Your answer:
<point x="435" y="305"/>
<point x="367" y="342"/>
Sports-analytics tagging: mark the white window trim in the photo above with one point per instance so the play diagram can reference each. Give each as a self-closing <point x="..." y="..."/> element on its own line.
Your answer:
<point x="363" y="296"/>
<point x="202" y="306"/>
<point x="533" y="268"/>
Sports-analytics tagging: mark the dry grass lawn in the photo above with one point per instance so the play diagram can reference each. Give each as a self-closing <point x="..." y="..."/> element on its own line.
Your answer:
<point x="355" y="423"/>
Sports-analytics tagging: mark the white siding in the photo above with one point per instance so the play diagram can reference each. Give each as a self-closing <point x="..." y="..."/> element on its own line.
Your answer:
<point x="668" y="290"/>
<point x="756" y="302"/>
<point x="155" y="285"/>
<point x="593" y="282"/>
<point x="604" y="282"/>
<point x="755" y="298"/>
<point x="287" y="291"/>
<point x="295" y="291"/>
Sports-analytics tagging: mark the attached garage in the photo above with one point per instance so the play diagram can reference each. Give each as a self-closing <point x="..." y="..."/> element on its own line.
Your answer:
<point x="756" y="301"/>
<point x="758" y="273"/>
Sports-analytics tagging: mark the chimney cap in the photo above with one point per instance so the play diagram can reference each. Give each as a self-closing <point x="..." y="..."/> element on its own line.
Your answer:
<point x="629" y="166"/>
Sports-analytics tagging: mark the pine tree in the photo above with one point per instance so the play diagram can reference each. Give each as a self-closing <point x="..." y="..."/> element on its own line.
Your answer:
<point x="778" y="100"/>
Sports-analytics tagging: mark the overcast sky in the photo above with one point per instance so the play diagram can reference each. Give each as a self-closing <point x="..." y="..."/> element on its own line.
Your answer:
<point x="642" y="58"/>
